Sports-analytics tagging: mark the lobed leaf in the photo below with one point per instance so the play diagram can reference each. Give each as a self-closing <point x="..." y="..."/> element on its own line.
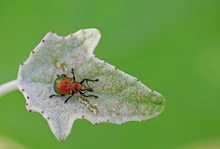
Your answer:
<point x="122" y="97"/>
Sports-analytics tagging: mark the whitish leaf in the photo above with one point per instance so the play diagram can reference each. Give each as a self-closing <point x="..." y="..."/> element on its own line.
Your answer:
<point x="122" y="97"/>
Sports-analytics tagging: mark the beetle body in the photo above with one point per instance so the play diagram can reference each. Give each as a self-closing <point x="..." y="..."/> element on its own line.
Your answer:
<point x="64" y="85"/>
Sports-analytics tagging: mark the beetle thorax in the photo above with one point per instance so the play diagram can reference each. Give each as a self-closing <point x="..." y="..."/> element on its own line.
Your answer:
<point x="76" y="87"/>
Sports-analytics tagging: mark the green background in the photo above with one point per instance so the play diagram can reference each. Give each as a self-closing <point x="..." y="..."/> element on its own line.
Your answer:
<point x="172" y="46"/>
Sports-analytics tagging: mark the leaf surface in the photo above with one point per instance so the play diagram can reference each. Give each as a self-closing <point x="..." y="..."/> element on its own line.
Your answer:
<point x="122" y="97"/>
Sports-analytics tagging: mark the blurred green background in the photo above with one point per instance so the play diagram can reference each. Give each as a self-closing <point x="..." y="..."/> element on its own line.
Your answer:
<point x="172" y="46"/>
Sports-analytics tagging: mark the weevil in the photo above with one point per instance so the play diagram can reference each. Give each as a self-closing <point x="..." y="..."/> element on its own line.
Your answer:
<point x="64" y="85"/>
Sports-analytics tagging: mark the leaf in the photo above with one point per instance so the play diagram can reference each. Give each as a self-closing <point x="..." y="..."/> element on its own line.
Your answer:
<point x="122" y="97"/>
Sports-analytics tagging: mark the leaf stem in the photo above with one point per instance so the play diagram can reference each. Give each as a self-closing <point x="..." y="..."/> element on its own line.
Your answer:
<point x="8" y="87"/>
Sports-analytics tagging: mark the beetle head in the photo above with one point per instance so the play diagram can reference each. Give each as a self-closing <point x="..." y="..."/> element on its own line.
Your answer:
<point x="89" y="89"/>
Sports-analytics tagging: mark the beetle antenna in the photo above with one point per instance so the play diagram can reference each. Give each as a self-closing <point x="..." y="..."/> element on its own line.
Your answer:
<point x="72" y="71"/>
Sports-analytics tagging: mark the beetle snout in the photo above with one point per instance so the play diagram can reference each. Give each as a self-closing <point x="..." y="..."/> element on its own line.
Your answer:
<point x="89" y="89"/>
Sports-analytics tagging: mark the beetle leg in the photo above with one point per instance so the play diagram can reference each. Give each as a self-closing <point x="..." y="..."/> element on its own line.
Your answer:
<point x="88" y="95"/>
<point x="69" y="98"/>
<point x="56" y="95"/>
<point x="64" y="75"/>
<point x="81" y="82"/>
<point x="58" y="75"/>
<point x="74" y="78"/>
<point x="84" y="91"/>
